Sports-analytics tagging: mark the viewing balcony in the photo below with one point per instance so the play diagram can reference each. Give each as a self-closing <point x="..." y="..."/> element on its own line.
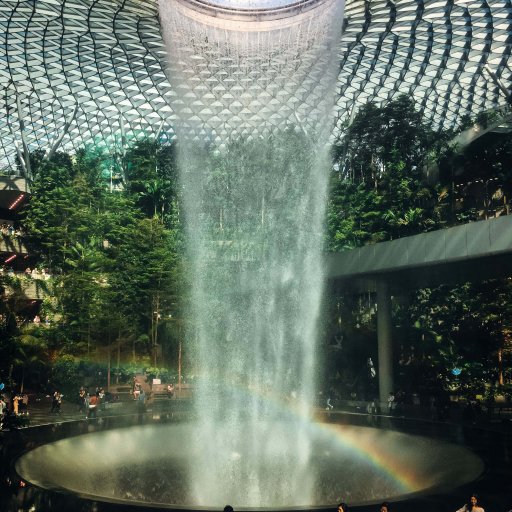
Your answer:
<point x="12" y="244"/>
<point x="19" y="287"/>
<point x="14" y="183"/>
<point x="14" y="191"/>
<point x="472" y="251"/>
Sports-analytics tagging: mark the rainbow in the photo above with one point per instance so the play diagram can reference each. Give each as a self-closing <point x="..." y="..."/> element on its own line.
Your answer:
<point x="365" y="448"/>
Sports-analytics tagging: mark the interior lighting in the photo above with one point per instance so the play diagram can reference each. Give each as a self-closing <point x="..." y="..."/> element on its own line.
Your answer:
<point x="10" y="258"/>
<point x="16" y="202"/>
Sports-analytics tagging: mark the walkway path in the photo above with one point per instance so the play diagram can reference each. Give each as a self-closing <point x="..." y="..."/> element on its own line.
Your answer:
<point x="477" y="250"/>
<point x="40" y="412"/>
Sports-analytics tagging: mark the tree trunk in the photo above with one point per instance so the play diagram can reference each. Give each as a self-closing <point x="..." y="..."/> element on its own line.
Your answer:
<point x="109" y="361"/>
<point x="89" y="336"/>
<point x="118" y="354"/>
<point x="500" y="367"/>
<point x="156" y="315"/>
<point x="179" y="368"/>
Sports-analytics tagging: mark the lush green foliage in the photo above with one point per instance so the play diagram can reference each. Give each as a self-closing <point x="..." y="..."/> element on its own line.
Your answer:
<point x="151" y="178"/>
<point x="378" y="191"/>
<point x="466" y="327"/>
<point x="481" y="177"/>
<point x="117" y="291"/>
<point x="114" y="258"/>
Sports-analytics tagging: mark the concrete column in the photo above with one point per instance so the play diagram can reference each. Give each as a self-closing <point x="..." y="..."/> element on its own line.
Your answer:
<point x="385" y="342"/>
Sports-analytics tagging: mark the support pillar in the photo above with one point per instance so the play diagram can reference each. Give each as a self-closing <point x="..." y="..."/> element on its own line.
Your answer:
<point x="385" y="343"/>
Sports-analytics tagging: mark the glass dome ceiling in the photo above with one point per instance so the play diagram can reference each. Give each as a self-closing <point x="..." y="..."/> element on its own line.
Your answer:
<point x="99" y="65"/>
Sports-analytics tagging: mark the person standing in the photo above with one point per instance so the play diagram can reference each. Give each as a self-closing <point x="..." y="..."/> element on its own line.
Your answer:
<point x="141" y="405"/>
<point x="101" y="398"/>
<point x="87" y="399"/>
<point x="3" y="410"/>
<point x="384" y="507"/>
<point x="141" y="398"/>
<point x="56" y="402"/>
<point x="136" y="388"/>
<point x="93" y="406"/>
<point x="24" y="403"/>
<point x="15" y="404"/>
<point x="81" y="400"/>
<point x="471" y="505"/>
<point x="391" y="403"/>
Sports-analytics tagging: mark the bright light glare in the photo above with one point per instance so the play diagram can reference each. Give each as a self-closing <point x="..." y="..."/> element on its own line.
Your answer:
<point x="251" y="4"/>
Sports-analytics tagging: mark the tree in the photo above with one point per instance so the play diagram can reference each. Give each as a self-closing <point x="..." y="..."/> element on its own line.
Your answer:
<point x="31" y="351"/>
<point x="63" y="206"/>
<point x="465" y="327"/>
<point x="378" y="191"/>
<point x="115" y="258"/>
<point x="81" y="289"/>
<point x="481" y="177"/>
<point x="151" y="176"/>
<point x="144" y="279"/>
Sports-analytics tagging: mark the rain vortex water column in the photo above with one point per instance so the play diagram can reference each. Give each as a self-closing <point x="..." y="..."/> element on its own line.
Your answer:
<point x="254" y="84"/>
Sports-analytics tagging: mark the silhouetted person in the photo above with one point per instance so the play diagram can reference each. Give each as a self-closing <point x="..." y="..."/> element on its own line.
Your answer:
<point x="342" y="507"/>
<point x="384" y="507"/>
<point x="56" y="402"/>
<point x="471" y="505"/>
<point x="81" y="400"/>
<point x="141" y="405"/>
<point x="228" y="508"/>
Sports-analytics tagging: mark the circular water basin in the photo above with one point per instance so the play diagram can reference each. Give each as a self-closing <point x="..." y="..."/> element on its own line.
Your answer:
<point x="154" y="465"/>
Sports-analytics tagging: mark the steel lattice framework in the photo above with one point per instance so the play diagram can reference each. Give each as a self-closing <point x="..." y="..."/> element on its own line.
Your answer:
<point x="93" y="70"/>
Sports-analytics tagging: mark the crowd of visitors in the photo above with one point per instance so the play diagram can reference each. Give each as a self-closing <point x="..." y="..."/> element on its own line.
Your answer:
<point x="29" y="273"/>
<point x="14" y="411"/>
<point x="434" y="406"/>
<point x="35" y="273"/>
<point x="89" y="403"/>
<point x="7" y="271"/>
<point x="15" y="405"/>
<point x="37" y="320"/>
<point x="7" y="229"/>
<point x="470" y="506"/>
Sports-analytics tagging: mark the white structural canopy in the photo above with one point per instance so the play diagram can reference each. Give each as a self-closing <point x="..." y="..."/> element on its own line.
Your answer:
<point x="99" y="66"/>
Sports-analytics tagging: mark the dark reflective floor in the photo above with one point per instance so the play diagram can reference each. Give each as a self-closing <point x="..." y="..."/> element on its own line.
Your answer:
<point x="493" y="445"/>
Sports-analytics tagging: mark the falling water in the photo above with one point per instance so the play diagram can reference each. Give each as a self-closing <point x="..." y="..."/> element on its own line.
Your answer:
<point x="254" y="95"/>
